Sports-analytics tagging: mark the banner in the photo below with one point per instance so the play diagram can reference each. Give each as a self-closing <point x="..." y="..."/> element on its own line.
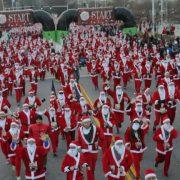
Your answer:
<point x="10" y="19"/>
<point x="96" y="16"/>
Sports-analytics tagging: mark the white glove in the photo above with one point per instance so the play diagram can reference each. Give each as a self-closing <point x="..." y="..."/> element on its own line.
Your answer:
<point x="18" y="178"/>
<point x="156" y="102"/>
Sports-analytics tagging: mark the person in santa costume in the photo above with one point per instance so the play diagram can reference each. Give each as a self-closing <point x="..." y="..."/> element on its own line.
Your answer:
<point x="173" y="99"/>
<point x="164" y="137"/>
<point x="94" y="71"/>
<point x="68" y="125"/>
<point x="53" y="119"/>
<point x="33" y="75"/>
<point x="89" y="138"/>
<point x="74" y="163"/>
<point x="120" y="99"/>
<point x="159" y="99"/>
<point x="14" y="138"/>
<point x="32" y="100"/>
<point x="26" y="117"/>
<point x="150" y="174"/>
<point x="103" y="99"/>
<point x="147" y="71"/>
<point x="147" y="99"/>
<point x="116" y="74"/>
<point x="116" y="160"/>
<point x="72" y="91"/>
<point x="83" y="109"/>
<point x="33" y="157"/>
<point x="4" y="103"/>
<point x="62" y="100"/>
<point x="137" y="72"/>
<point x="134" y="138"/>
<point x="18" y="86"/>
<point x="5" y="124"/>
<point x="107" y="121"/>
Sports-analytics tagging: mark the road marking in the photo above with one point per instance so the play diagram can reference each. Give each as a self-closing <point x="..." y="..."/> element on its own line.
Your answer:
<point x="88" y="99"/>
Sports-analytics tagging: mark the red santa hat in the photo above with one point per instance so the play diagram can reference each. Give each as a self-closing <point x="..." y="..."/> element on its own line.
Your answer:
<point x="25" y="105"/>
<point x="165" y="119"/>
<point x="81" y="97"/>
<point x="2" y="113"/>
<point x="15" y="122"/>
<point x="138" y="95"/>
<point x="105" y="105"/>
<point x="85" y="119"/>
<point x="149" y="173"/>
<point x="67" y="107"/>
<point x="135" y="120"/>
<point x="118" y="87"/>
<point x="118" y="139"/>
<point x="102" y="92"/>
<point x="74" y="144"/>
<point x="161" y="85"/>
<point x="146" y="90"/>
<point x="31" y="91"/>
<point x="52" y="108"/>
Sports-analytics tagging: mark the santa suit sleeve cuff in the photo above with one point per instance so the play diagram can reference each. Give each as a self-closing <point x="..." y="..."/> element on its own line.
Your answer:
<point x="85" y="165"/>
<point x="107" y="174"/>
<point x="127" y="144"/>
<point x="110" y="124"/>
<point x="66" y="169"/>
<point x="160" y="136"/>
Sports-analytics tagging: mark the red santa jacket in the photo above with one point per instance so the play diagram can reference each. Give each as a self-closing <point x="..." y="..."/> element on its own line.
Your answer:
<point x="3" y="103"/>
<point x="26" y="119"/>
<point x="96" y="136"/>
<point x="33" y="101"/>
<point x="63" y="123"/>
<point x="53" y="120"/>
<point x="8" y="138"/>
<point x="131" y="140"/>
<point x="37" y="130"/>
<point x="5" y="125"/>
<point x="161" y="138"/>
<point x="156" y="101"/>
<point x="98" y="103"/>
<point x="110" y="120"/>
<point x="118" y="101"/>
<point x="70" y="161"/>
<point x="39" y="158"/>
<point x="110" y="159"/>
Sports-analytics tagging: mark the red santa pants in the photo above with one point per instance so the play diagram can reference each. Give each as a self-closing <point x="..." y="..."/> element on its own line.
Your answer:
<point x="147" y="83"/>
<point x="125" y="78"/>
<point x="137" y="157"/>
<point x="158" y="117"/>
<point x="121" y="178"/>
<point x="70" y="136"/>
<point x="34" y="86"/>
<point x="95" y="81"/>
<point x="166" y="158"/>
<point x="18" y="95"/>
<point x="4" y="148"/>
<point x="54" y="136"/>
<point x="138" y="85"/>
<point x="171" y="114"/>
<point x="10" y="89"/>
<point x="119" y="119"/>
<point x="90" y="159"/>
<point x="106" y="143"/>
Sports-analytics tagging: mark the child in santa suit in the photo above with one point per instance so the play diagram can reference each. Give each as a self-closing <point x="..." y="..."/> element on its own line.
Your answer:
<point x="134" y="138"/>
<point x="74" y="163"/>
<point x="90" y="137"/>
<point x="164" y="137"/>
<point x="33" y="157"/>
<point x="117" y="160"/>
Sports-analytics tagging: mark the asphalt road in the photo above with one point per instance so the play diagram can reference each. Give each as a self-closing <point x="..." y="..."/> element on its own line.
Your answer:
<point x="53" y="164"/>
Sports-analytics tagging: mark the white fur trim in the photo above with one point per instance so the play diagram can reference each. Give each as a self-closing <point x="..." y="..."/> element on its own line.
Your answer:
<point x="150" y="175"/>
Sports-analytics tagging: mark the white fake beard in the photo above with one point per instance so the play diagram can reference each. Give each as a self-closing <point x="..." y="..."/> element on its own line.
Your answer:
<point x="86" y="130"/>
<point x="102" y="98"/>
<point x="162" y="94"/>
<point x="31" y="147"/>
<point x="73" y="152"/>
<point x="119" y="91"/>
<point x="171" y="90"/>
<point x="167" y="127"/>
<point x="119" y="149"/>
<point x="13" y="131"/>
<point x="105" y="111"/>
<point x="138" y="109"/>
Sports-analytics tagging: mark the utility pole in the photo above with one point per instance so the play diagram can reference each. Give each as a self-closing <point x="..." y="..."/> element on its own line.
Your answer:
<point x="153" y="16"/>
